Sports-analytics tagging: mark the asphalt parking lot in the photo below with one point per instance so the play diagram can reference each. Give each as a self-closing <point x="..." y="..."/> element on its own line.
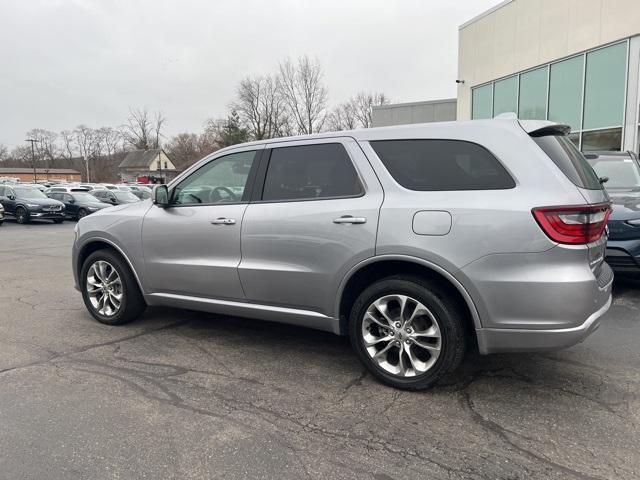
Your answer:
<point x="189" y="395"/>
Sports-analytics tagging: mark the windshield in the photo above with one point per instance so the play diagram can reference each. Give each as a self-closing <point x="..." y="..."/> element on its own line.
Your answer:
<point x="623" y="172"/>
<point x="85" y="197"/>
<point x="29" y="192"/>
<point x="125" y="196"/>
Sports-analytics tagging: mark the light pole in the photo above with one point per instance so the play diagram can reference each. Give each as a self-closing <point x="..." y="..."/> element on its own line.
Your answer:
<point x="33" y="158"/>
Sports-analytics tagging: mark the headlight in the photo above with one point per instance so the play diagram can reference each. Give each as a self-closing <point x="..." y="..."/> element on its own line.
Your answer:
<point x="32" y="205"/>
<point x="635" y="222"/>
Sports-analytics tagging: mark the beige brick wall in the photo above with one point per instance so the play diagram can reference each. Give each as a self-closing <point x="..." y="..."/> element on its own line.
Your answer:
<point x="522" y="34"/>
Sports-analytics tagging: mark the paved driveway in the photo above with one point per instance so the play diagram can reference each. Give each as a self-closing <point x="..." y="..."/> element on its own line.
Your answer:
<point x="190" y="395"/>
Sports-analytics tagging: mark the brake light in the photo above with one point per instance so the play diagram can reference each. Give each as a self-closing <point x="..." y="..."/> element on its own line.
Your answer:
<point x="574" y="225"/>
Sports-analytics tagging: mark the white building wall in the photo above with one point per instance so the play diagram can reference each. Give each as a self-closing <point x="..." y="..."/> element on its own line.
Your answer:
<point x="521" y="34"/>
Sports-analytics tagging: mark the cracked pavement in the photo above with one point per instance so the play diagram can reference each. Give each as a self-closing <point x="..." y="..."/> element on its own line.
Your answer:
<point x="182" y="394"/>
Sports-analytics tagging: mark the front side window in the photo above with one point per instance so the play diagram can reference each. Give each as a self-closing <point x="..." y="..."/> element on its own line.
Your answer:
<point x="442" y="165"/>
<point x="223" y="180"/>
<point x="310" y="171"/>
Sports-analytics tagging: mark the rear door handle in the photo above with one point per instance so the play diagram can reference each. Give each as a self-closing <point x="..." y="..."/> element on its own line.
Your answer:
<point x="223" y="221"/>
<point x="350" y="219"/>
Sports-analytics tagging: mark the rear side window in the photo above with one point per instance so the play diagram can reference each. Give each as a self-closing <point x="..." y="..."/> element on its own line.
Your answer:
<point x="310" y="171"/>
<point x="569" y="159"/>
<point x="442" y="165"/>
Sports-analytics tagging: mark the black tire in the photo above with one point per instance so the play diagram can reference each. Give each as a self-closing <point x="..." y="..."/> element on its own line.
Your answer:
<point x="132" y="304"/>
<point x="22" y="216"/>
<point x="448" y="315"/>
<point x="81" y="214"/>
<point x="58" y="220"/>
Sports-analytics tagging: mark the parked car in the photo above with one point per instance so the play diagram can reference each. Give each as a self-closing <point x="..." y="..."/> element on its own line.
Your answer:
<point x="115" y="197"/>
<point x="419" y="242"/>
<point x="65" y="188"/>
<point x="142" y="192"/>
<point x="78" y="204"/>
<point x="622" y="174"/>
<point x="109" y="186"/>
<point x="26" y="203"/>
<point x="1" y="214"/>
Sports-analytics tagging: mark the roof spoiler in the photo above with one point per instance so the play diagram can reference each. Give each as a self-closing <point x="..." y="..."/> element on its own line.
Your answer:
<point x="549" y="130"/>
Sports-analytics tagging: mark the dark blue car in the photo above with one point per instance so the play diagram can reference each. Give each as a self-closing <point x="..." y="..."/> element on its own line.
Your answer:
<point x="623" y="184"/>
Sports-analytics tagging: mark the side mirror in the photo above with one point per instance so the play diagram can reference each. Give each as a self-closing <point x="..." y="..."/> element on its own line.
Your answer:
<point x="11" y="197"/>
<point x="161" y="196"/>
<point x="71" y="200"/>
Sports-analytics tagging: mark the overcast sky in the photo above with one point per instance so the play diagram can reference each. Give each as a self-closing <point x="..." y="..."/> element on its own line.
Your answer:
<point x="67" y="62"/>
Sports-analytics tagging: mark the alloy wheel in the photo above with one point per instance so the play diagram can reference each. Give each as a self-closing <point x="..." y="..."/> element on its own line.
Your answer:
<point x="21" y="216"/>
<point x="401" y="335"/>
<point x="104" y="288"/>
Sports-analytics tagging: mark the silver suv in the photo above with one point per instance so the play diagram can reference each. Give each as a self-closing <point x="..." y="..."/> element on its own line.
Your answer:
<point x="419" y="242"/>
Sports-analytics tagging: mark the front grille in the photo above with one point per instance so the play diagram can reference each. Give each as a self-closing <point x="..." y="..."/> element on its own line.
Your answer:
<point x="52" y="208"/>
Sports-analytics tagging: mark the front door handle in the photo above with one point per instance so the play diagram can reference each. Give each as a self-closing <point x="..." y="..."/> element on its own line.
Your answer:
<point x="223" y="221"/>
<point x="350" y="219"/>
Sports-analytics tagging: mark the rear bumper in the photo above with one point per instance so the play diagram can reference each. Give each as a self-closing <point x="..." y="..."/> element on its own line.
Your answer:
<point x="500" y="340"/>
<point x="541" y="301"/>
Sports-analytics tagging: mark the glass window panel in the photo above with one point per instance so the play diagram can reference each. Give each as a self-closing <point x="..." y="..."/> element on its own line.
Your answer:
<point x="533" y="95"/>
<point x="482" y="102"/>
<point x="604" y="87"/>
<point x="505" y="96"/>
<point x="602" y="140"/>
<point x="575" y="138"/>
<point x="565" y="92"/>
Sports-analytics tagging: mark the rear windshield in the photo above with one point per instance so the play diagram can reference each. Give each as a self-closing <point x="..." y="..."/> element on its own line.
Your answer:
<point x="569" y="159"/>
<point x="442" y="165"/>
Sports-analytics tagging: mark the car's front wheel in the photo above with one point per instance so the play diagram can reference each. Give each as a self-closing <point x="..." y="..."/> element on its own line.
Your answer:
<point x="22" y="216"/>
<point x="407" y="331"/>
<point x="109" y="289"/>
<point x="82" y="213"/>
<point x="58" y="220"/>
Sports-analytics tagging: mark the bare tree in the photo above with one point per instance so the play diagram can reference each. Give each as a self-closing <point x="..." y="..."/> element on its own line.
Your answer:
<point x="305" y="94"/>
<point x="68" y="144"/>
<point x="261" y="106"/>
<point x="363" y="104"/>
<point x="184" y="149"/>
<point x="141" y="131"/>
<point x="356" y="112"/>
<point x="110" y="139"/>
<point x="87" y="143"/>
<point x="343" y="117"/>
<point x="45" y="146"/>
<point x="4" y="152"/>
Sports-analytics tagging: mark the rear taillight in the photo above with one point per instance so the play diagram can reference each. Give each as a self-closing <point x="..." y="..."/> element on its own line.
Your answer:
<point x="574" y="225"/>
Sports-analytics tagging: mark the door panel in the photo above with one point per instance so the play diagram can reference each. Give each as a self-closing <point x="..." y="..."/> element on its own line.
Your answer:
<point x="193" y="246"/>
<point x="295" y="253"/>
<point x="185" y="253"/>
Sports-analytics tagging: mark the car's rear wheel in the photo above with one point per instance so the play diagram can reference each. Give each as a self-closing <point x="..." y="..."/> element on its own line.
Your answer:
<point x="82" y="213"/>
<point x="407" y="331"/>
<point x="109" y="289"/>
<point x="22" y="216"/>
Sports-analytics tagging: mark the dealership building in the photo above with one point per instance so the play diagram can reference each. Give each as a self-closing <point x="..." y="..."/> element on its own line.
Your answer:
<point x="569" y="61"/>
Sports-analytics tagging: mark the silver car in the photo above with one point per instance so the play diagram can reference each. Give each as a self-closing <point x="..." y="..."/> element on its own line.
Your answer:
<point x="419" y="242"/>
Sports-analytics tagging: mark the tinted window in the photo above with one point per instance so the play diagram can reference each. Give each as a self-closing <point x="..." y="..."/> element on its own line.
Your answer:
<point x="310" y="171"/>
<point x="222" y="180"/>
<point x="569" y="159"/>
<point x="1" y="191"/>
<point x="432" y="165"/>
<point x="622" y="172"/>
